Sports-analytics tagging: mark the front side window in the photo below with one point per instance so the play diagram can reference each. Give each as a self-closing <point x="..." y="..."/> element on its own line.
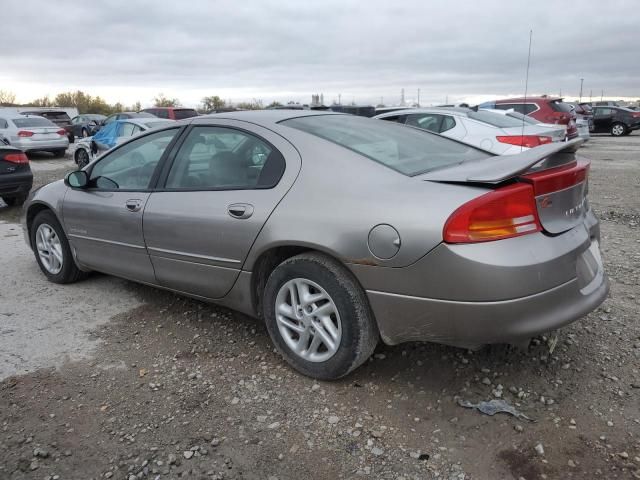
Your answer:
<point x="131" y="166"/>
<point x="225" y="159"/>
<point x="405" y="150"/>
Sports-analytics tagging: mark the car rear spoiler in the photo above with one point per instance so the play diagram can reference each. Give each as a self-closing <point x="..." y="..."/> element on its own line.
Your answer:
<point x="503" y="167"/>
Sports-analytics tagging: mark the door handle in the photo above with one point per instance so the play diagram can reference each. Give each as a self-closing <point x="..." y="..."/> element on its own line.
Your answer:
<point x="133" y="205"/>
<point x="240" y="210"/>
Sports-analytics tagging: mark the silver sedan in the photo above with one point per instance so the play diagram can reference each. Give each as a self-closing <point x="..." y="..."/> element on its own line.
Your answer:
<point x="336" y="230"/>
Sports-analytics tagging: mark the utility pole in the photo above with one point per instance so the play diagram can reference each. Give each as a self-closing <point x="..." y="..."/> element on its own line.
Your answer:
<point x="418" y="97"/>
<point x="446" y="100"/>
<point x="402" y="97"/>
<point x="602" y="95"/>
<point x="590" y="96"/>
<point x="581" y="82"/>
<point x="339" y="99"/>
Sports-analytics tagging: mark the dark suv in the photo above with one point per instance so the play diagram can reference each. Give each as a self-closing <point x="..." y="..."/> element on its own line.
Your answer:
<point x="617" y="121"/>
<point x="544" y="109"/>
<point x="59" y="117"/>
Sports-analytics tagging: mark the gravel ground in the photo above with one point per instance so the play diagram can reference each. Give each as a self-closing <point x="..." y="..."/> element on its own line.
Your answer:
<point x="167" y="387"/>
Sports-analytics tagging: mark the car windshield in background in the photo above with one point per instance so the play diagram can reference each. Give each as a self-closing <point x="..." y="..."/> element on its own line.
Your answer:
<point x="560" y="106"/>
<point x="33" y="122"/>
<point x="407" y="150"/>
<point x="185" y="113"/>
<point x="54" y="115"/>
<point x="495" y="119"/>
<point x="523" y="118"/>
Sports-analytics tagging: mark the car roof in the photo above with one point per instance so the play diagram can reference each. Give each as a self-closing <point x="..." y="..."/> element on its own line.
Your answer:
<point x="529" y="99"/>
<point x="164" y="108"/>
<point x="456" y="111"/>
<point x="142" y="122"/>
<point x="261" y="116"/>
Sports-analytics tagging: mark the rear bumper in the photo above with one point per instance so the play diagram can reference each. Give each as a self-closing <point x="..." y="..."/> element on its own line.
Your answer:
<point x="495" y="292"/>
<point x="16" y="184"/>
<point x="27" y="145"/>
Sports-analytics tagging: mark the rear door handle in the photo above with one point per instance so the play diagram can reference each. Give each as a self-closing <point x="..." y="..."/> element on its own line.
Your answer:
<point x="133" y="205"/>
<point x="240" y="210"/>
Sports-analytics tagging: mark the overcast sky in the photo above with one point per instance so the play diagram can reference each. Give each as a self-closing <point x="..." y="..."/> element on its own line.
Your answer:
<point x="289" y="49"/>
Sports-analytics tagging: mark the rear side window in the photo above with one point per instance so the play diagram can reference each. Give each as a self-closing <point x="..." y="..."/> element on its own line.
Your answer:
<point x="33" y="122"/>
<point x="406" y="150"/>
<point x="160" y="113"/>
<point x="3" y="123"/>
<point x="184" y="113"/>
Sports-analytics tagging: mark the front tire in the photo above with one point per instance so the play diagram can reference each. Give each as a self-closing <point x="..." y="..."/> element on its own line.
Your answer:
<point x="52" y="250"/>
<point x="82" y="158"/>
<point x="318" y="316"/>
<point x="618" y="129"/>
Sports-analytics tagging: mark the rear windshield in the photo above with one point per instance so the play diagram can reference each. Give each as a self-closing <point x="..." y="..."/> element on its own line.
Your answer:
<point x="140" y="115"/>
<point x="406" y="150"/>
<point x="185" y="113"/>
<point x="560" y="106"/>
<point x="33" y="122"/>
<point x="495" y="119"/>
<point x="155" y="124"/>
<point x="522" y="118"/>
<point x="54" y="115"/>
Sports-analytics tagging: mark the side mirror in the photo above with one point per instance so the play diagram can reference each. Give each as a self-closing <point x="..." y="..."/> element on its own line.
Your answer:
<point x="77" y="179"/>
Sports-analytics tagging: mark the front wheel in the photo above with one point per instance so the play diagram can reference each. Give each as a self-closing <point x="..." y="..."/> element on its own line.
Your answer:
<point x="618" y="129"/>
<point x="318" y="316"/>
<point x="52" y="250"/>
<point x="82" y="157"/>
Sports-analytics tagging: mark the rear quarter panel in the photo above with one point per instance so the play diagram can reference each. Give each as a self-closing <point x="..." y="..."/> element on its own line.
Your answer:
<point x="339" y="196"/>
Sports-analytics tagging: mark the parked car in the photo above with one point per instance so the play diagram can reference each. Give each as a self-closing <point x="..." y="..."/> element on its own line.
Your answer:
<point x="584" y="119"/>
<point x="544" y="109"/>
<point x="605" y="103"/>
<point x="336" y="230"/>
<point x="86" y="125"/>
<point x="491" y="131"/>
<point x="30" y="133"/>
<point x="111" y="135"/>
<point x="16" y="178"/>
<point x="126" y="115"/>
<point x="617" y="121"/>
<point x="172" y="113"/>
<point x="57" y="116"/>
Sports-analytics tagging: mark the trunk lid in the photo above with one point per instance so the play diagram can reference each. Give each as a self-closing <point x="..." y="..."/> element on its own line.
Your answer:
<point x="558" y="178"/>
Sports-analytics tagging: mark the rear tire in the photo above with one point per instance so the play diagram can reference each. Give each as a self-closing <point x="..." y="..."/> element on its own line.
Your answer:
<point x="85" y="133"/>
<point x="16" y="201"/>
<point x="68" y="271"/>
<point x="59" y="152"/>
<point x="618" y="129"/>
<point x="351" y="328"/>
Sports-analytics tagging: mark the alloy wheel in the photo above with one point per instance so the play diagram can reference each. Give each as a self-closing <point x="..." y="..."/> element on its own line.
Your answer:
<point x="308" y="320"/>
<point x="49" y="249"/>
<point x="82" y="158"/>
<point x="617" y="130"/>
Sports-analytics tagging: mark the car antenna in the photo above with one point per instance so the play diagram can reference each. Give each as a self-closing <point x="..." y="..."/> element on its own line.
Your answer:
<point x="526" y="88"/>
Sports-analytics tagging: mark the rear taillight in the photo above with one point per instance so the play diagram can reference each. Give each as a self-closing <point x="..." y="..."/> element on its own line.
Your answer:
<point x="503" y="213"/>
<point x="16" y="158"/>
<point x="528" y="141"/>
<point x="61" y="132"/>
<point x="635" y="115"/>
<point x="25" y="133"/>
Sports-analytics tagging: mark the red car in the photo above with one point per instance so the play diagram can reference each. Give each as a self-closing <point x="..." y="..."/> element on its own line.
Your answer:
<point x="172" y="113"/>
<point x="544" y="109"/>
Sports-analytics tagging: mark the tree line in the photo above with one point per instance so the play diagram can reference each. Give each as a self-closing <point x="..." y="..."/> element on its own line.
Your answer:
<point x="86" y="103"/>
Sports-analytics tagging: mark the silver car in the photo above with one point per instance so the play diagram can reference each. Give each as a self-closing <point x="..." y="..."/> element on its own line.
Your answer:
<point x="495" y="132"/>
<point x="31" y="133"/>
<point x="336" y="230"/>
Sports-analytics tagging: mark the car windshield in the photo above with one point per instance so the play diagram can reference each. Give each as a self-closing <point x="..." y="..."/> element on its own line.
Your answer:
<point x="406" y="150"/>
<point x="55" y="115"/>
<point x="495" y="119"/>
<point x="33" y="122"/>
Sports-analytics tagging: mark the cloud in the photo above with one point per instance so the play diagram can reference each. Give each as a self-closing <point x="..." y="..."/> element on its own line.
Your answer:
<point x="131" y="50"/>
